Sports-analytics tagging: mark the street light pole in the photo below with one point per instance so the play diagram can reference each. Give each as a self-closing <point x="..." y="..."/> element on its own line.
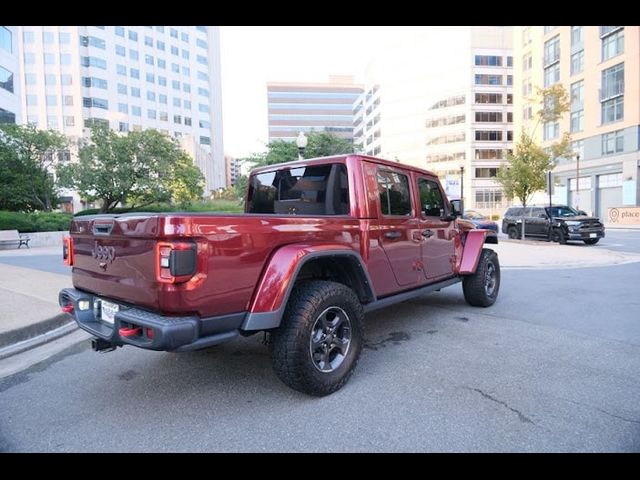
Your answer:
<point x="461" y="190"/>
<point x="577" y="180"/>
<point x="301" y="142"/>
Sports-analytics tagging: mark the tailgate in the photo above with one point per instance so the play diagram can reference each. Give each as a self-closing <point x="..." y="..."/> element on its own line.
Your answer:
<point x="114" y="256"/>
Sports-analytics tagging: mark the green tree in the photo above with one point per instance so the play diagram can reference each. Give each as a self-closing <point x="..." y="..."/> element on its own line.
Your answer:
<point x="27" y="158"/>
<point x="320" y="144"/>
<point x="240" y="186"/>
<point x="137" y="169"/>
<point x="526" y="168"/>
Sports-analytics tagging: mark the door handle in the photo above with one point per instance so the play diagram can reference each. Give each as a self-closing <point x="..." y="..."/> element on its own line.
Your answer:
<point x="427" y="233"/>
<point x="392" y="235"/>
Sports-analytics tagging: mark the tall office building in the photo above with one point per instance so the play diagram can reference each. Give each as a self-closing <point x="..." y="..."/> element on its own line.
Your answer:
<point x="9" y="69"/>
<point x="599" y="66"/>
<point x="130" y="78"/>
<point x="305" y="107"/>
<point x="442" y="100"/>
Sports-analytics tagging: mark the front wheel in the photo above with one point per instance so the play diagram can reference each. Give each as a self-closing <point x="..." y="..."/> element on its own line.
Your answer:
<point x="317" y="346"/>
<point x="557" y="235"/>
<point x="481" y="288"/>
<point x="591" y="241"/>
<point x="513" y="232"/>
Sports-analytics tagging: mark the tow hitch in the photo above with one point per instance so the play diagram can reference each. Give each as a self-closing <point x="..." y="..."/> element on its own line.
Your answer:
<point x="100" y="345"/>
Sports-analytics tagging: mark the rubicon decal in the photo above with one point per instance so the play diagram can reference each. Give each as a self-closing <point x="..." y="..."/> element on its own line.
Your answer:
<point x="103" y="253"/>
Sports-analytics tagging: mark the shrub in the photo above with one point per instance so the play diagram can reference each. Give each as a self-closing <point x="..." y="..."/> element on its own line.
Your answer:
<point x="218" y="206"/>
<point x="34" y="222"/>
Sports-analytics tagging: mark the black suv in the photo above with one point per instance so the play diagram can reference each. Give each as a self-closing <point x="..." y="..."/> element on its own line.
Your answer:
<point x="558" y="223"/>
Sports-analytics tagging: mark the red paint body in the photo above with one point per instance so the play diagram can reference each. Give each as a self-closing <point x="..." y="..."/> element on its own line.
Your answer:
<point x="245" y="262"/>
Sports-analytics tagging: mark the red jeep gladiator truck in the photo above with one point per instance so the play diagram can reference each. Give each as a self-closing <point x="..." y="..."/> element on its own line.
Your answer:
<point x="321" y="243"/>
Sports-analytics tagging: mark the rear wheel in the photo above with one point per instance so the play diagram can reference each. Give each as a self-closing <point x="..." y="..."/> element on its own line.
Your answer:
<point x="591" y="241"/>
<point x="513" y="232"/>
<point x="481" y="288"/>
<point x="318" y="344"/>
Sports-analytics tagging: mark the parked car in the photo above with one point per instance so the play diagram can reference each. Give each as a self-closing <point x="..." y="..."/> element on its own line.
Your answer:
<point x="558" y="223"/>
<point x="479" y="221"/>
<point x="321" y="243"/>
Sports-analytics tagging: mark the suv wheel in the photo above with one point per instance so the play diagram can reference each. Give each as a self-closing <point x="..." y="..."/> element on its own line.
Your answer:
<point x="481" y="288"/>
<point x="513" y="232"/>
<point x="318" y="344"/>
<point x="591" y="241"/>
<point x="557" y="235"/>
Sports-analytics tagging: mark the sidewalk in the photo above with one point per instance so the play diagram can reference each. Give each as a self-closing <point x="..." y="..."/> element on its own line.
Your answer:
<point x="30" y="315"/>
<point x="29" y="303"/>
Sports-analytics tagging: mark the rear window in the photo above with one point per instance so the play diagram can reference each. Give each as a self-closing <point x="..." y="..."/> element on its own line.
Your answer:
<point x="314" y="190"/>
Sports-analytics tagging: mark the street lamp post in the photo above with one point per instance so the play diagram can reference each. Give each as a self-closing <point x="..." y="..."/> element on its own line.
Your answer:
<point x="461" y="190"/>
<point x="301" y="142"/>
<point x="577" y="180"/>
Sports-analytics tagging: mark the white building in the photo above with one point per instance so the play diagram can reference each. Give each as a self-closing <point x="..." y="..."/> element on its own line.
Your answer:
<point x="9" y="73"/>
<point x="442" y="100"/>
<point x="131" y="77"/>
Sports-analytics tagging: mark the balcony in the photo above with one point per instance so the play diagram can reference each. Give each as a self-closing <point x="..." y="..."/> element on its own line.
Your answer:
<point x="612" y="90"/>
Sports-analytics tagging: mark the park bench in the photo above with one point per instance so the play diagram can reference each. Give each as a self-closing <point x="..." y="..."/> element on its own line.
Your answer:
<point x="8" y="237"/>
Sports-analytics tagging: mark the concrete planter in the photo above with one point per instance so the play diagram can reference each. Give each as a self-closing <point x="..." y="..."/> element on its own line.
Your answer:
<point x="41" y="239"/>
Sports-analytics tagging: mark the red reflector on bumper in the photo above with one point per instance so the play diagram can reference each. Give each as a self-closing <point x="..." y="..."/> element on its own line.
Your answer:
<point x="68" y="308"/>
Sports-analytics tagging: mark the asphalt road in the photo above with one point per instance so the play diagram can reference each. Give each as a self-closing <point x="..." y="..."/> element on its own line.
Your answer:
<point x="553" y="366"/>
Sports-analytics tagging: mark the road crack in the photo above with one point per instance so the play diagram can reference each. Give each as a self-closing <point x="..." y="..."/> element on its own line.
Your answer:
<point x="522" y="417"/>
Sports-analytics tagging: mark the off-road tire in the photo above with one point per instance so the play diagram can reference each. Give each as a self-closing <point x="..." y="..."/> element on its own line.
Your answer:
<point x="591" y="241"/>
<point x="481" y="288"/>
<point x="291" y="343"/>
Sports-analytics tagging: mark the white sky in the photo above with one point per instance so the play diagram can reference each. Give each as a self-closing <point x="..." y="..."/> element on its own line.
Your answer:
<point x="251" y="56"/>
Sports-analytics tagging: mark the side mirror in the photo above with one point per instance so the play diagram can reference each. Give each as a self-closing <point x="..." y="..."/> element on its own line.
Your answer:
<point x="455" y="208"/>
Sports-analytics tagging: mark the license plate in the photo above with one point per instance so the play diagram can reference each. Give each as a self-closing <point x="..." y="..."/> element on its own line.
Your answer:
<point x="108" y="311"/>
<point x="593" y="235"/>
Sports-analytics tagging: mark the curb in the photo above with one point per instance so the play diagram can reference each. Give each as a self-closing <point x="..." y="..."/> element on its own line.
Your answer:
<point x="20" y="339"/>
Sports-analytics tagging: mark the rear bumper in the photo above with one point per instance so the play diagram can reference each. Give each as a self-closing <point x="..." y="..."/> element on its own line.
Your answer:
<point x="150" y="330"/>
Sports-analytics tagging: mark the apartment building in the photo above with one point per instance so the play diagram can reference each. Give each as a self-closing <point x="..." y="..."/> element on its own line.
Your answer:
<point x="304" y="107"/>
<point x="600" y="68"/>
<point x="129" y="78"/>
<point x="10" y="87"/>
<point x="443" y="101"/>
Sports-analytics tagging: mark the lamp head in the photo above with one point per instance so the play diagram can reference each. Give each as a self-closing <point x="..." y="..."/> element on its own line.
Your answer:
<point x="302" y="140"/>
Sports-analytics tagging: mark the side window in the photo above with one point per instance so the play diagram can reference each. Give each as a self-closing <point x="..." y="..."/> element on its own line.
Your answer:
<point x="431" y="201"/>
<point x="394" y="193"/>
<point x="539" y="213"/>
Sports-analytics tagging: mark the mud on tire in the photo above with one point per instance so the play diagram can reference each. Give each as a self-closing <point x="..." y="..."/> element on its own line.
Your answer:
<point x="319" y="341"/>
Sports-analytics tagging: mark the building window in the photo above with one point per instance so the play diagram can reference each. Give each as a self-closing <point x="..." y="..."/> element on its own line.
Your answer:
<point x="92" y="102"/>
<point x="49" y="79"/>
<point x="187" y="121"/>
<point x="51" y="100"/>
<point x="203" y="91"/>
<point x="552" y="75"/>
<point x="32" y="100"/>
<point x="175" y="84"/>
<point x="489" y="198"/>
<point x="205" y="140"/>
<point x="204" y="124"/>
<point x="6" y="79"/>
<point x="613" y="110"/>
<point x="613" y="142"/>
<point x="133" y="54"/>
<point x="152" y="114"/>
<point x="488" y="79"/>
<point x="576" y="36"/>
<point x="509" y="61"/>
<point x="120" y="50"/>
<point x="49" y="59"/>
<point x="65" y="59"/>
<point x="486" y="172"/>
<point x="94" y="82"/>
<point x="577" y="121"/>
<point x="201" y="43"/>
<point x="148" y="59"/>
<point x="89" y="41"/>
<point x="66" y="79"/>
<point x="52" y="122"/>
<point x="177" y="119"/>
<point x="133" y="35"/>
<point x="175" y="68"/>
<point x="577" y="62"/>
<point x="160" y="45"/>
<point x="162" y="99"/>
<point x="202" y="59"/>
<point x="67" y="100"/>
<point x="174" y="50"/>
<point x="526" y="88"/>
<point x="164" y="116"/>
<point x="185" y="54"/>
<point x="121" y="69"/>
<point x="160" y="28"/>
<point x="177" y="102"/>
<point x="203" y="76"/>
<point x="184" y="36"/>
<point x="551" y="130"/>
<point x="123" y="108"/>
<point x="28" y="37"/>
<point x="489" y="154"/>
<point x="509" y="79"/>
<point x="527" y="62"/>
<point x="552" y="51"/>
<point x="509" y="135"/>
<point x="174" y="33"/>
<point x="203" y="108"/>
<point x="162" y="63"/>
<point x="612" y="45"/>
<point x="162" y="81"/>
<point x="6" y="39"/>
<point x="93" y="62"/>
<point x="186" y="71"/>
<point x="489" y="60"/>
<point x="509" y="117"/>
<point x="612" y="93"/>
<point x="577" y="148"/>
<point x="151" y="78"/>
<point x="122" y="89"/>
<point x="186" y="104"/>
<point x="136" y="111"/>
<point x="123" y="127"/>
<point x="148" y="41"/>
<point x="30" y="78"/>
<point x="489" y="135"/>
<point x="151" y="96"/>
<point x="488" y="116"/>
<point x="548" y="29"/>
<point x="135" y="92"/>
<point x="119" y="31"/>
<point x="134" y="73"/>
<point x="186" y="88"/>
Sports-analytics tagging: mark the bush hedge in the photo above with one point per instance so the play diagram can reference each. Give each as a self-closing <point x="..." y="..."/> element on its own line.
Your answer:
<point x="35" y="222"/>
<point x="221" y="206"/>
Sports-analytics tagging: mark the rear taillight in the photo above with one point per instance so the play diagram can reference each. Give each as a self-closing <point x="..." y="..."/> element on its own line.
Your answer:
<point x="175" y="261"/>
<point x="67" y="251"/>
